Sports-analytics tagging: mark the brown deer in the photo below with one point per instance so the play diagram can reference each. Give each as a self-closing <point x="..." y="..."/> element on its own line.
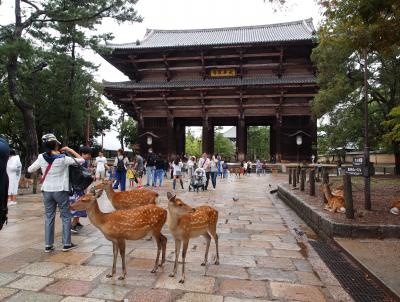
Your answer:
<point x="395" y="209"/>
<point x="127" y="199"/>
<point x="185" y="222"/>
<point x="237" y="171"/>
<point x="121" y="225"/>
<point x="335" y="203"/>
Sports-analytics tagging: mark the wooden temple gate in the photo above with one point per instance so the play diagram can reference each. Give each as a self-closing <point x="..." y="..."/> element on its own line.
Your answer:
<point x="241" y="76"/>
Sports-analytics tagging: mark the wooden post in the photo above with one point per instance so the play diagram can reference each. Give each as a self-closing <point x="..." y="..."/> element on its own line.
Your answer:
<point x="290" y="175"/>
<point x="312" y="182"/>
<point x="348" y="196"/>
<point x="302" y="179"/>
<point x="325" y="180"/>
<point x="294" y="177"/>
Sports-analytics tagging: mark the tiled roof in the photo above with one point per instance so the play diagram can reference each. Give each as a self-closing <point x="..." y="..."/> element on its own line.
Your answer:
<point x="281" y="32"/>
<point x="221" y="82"/>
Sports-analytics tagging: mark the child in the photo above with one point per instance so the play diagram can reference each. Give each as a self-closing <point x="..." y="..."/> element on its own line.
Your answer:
<point x="131" y="176"/>
<point x="76" y="226"/>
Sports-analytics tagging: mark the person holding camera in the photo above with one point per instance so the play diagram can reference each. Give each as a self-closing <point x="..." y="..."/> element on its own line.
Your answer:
<point x="55" y="187"/>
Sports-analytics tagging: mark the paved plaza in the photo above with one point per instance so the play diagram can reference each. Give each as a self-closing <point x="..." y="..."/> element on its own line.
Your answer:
<point x="262" y="257"/>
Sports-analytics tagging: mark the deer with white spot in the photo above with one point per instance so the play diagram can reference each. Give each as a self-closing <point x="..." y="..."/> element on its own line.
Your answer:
<point x="127" y="199"/>
<point x="121" y="225"/>
<point x="186" y="222"/>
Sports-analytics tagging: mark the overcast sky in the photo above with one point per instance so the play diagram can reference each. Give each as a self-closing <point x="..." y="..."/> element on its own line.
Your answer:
<point x="186" y="14"/>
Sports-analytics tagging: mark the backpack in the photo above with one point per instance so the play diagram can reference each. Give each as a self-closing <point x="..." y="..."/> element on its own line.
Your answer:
<point x="151" y="160"/>
<point x="120" y="165"/>
<point x="79" y="178"/>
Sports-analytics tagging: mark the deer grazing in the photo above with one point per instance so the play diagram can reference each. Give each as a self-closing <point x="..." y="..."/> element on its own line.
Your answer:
<point x="127" y="199"/>
<point x="185" y="222"/>
<point x="121" y="225"/>
<point x="335" y="202"/>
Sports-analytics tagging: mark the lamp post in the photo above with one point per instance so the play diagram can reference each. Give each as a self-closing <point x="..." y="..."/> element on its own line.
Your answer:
<point x="299" y="142"/>
<point x="39" y="67"/>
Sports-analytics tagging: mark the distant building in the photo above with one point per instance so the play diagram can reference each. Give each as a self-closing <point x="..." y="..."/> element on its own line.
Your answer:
<point x="231" y="135"/>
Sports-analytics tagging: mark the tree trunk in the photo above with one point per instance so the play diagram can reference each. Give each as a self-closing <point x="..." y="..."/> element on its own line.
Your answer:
<point x="396" y="150"/>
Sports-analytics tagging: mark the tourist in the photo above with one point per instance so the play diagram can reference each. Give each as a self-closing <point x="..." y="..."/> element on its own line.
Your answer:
<point x="219" y="165"/>
<point x="214" y="171"/>
<point x="130" y="174"/>
<point x="76" y="226"/>
<point x="313" y="159"/>
<point x="258" y="167"/>
<point x="184" y="167"/>
<point x="120" y="163"/>
<point x="264" y="167"/>
<point x="177" y="172"/>
<point x="249" y="166"/>
<point x="204" y="163"/>
<point x="225" y="169"/>
<point x="14" y="174"/>
<point x="55" y="188"/>
<point x="101" y="166"/>
<point x="190" y="165"/>
<point x="159" y="173"/>
<point x="244" y="165"/>
<point x="4" y="154"/>
<point x="150" y="167"/>
<point x="139" y="167"/>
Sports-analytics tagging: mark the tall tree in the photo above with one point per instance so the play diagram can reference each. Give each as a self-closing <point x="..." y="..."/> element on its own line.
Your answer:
<point x="36" y="21"/>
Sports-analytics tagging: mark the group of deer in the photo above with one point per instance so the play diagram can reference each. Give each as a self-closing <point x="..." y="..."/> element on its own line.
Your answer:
<point x="137" y="216"/>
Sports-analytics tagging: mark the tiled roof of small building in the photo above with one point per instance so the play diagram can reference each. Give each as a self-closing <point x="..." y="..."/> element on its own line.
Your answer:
<point x="214" y="82"/>
<point x="282" y="32"/>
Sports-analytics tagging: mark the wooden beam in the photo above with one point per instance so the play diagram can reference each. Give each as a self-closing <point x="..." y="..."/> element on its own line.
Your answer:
<point x="203" y="64"/>
<point x="135" y="72"/>
<point x="167" y="69"/>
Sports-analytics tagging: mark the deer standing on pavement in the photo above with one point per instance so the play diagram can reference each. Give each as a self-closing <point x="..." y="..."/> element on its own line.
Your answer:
<point x="127" y="199"/>
<point x="335" y="202"/>
<point x="185" y="222"/>
<point x="121" y="225"/>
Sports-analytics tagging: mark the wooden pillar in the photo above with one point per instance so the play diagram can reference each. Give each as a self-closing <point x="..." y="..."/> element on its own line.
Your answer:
<point x="241" y="138"/>
<point x="313" y="133"/>
<point x="207" y="136"/>
<point x="180" y="138"/>
<point x="278" y="138"/>
<point x="171" y="144"/>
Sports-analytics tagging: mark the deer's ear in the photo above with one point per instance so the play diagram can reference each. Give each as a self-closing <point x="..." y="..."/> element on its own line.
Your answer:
<point x="98" y="193"/>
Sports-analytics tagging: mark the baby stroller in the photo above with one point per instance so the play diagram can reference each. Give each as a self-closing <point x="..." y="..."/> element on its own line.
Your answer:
<point x="197" y="180"/>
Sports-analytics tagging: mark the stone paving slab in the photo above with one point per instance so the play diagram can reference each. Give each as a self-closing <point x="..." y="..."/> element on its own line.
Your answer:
<point x="260" y="258"/>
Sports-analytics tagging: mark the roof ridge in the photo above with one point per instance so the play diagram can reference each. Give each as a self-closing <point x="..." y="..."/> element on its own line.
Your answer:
<point x="302" y="21"/>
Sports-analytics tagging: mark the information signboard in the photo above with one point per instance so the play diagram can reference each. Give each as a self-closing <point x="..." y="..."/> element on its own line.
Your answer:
<point x="358" y="161"/>
<point x="354" y="171"/>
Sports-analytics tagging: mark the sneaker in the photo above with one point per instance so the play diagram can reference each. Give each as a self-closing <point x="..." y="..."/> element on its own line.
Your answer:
<point x="48" y="249"/>
<point x="12" y="203"/>
<point x="67" y="248"/>
<point x="74" y="229"/>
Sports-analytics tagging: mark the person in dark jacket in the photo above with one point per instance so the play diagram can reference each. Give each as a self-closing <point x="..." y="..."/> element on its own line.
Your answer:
<point x="4" y="154"/>
<point x="159" y="173"/>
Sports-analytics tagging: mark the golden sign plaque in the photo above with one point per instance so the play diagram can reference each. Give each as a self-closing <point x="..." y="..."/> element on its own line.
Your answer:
<point x="223" y="72"/>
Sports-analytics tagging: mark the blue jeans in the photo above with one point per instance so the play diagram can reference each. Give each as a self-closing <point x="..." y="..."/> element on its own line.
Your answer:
<point x="214" y="178"/>
<point x="51" y="200"/>
<point x="150" y="175"/>
<point x="158" y="174"/>
<point x="225" y="173"/>
<point x="120" y="179"/>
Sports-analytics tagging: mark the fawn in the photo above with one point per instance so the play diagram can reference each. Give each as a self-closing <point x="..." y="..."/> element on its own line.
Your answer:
<point x="185" y="222"/>
<point x="335" y="202"/>
<point x="121" y="225"/>
<point x="128" y="199"/>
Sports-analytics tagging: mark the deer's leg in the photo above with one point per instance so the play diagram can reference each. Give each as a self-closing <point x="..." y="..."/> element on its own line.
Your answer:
<point x="115" y="254"/>
<point x="121" y="245"/>
<point x="214" y="234"/>
<point x="157" y="239"/>
<point x="177" y="251"/>
<point x="208" y="240"/>
<point x="163" y="247"/>
<point x="184" y="251"/>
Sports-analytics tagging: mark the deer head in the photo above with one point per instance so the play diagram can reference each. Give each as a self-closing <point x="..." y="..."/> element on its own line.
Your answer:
<point x="103" y="184"/>
<point x="177" y="206"/>
<point x="84" y="202"/>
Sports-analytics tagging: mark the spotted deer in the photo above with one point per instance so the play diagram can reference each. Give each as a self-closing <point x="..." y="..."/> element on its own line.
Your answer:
<point x="127" y="199"/>
<point x="185" y="222"/>
<point x="122" y="225"/>
<point x="335" y="202"/>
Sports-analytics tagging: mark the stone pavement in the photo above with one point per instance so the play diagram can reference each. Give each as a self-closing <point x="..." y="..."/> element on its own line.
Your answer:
<point x="383" y="263"/>
<point x="262" y="258"/>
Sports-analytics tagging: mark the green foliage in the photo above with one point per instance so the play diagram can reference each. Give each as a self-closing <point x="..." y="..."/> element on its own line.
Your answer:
<point x="393" y="125"/>
<point x="128" y="132"/>
<point x="192" y="145"/>
<point x="258" y="142"/>
<point x="223" y="146"/>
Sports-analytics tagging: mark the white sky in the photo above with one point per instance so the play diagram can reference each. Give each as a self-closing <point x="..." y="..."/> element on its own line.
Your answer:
<point x="186" y="14"/>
